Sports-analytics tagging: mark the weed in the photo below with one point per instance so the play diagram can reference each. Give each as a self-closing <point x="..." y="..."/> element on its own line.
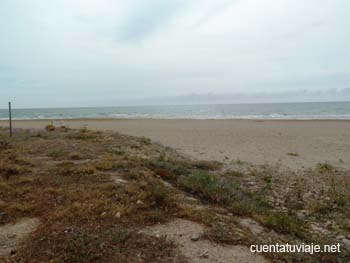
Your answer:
<point x="4" y="145"/>
<point x="325" y="167"/>
<point x="207" y="165"/>
<point x="50" y="128"/>
<point x="209" y="187"/>
<point x="75" y="156"/>
<point x="285" y="224"/>
<point x="57" y="153"/>
<point x="169" y="170"/>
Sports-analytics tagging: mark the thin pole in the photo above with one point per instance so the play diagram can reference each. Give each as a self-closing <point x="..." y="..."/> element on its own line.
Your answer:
<point x="10" y="118"/>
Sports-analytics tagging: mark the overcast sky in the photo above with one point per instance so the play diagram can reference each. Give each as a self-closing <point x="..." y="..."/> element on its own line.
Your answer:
<point x="93" y="52"/>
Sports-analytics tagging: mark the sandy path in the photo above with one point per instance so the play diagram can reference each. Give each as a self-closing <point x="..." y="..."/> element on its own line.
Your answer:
<point x="253" y="141"/>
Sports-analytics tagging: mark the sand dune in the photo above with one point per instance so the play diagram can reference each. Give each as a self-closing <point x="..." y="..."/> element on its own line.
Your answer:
<point x="294" y="144"/>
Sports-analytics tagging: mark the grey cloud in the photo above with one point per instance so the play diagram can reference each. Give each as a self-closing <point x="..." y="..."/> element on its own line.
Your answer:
<point x="86" y="50"/>
<point x="145" y="18"/>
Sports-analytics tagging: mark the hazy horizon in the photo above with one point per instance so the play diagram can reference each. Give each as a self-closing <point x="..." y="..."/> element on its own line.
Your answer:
<point x="157" y="102"/>
<point x="103" y="52"/>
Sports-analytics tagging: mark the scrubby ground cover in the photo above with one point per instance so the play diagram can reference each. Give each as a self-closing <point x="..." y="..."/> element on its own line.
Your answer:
<point x="94" y="192"/>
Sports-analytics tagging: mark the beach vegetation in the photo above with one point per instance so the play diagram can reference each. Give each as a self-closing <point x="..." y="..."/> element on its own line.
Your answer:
<point x="50" y="127"/>
<point x="325" y="167"/>
<point x="57" y="153"/>
<point x="207" y="165"/>
<point x="285" y="223"/>
<point x="75" y="156"/>
<point x="93" y="210"/>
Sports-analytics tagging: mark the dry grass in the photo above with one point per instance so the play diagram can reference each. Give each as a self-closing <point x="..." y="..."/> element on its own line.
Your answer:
<point x="63" y="177"/>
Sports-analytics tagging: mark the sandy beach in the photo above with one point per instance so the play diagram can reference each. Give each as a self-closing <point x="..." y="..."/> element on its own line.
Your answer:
<point x="294" y="144"/>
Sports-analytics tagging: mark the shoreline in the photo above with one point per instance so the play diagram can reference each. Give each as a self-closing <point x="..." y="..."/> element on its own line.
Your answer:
<point x="296" y="144"/>
<point x="171" y="119"/>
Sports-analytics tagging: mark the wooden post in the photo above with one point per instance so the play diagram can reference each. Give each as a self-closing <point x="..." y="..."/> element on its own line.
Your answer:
<point x="10" y="118"/>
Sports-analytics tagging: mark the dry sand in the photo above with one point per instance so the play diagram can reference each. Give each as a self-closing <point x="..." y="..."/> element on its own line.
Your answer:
<point x="256" y="142"/>
<point x="12" y="234"/>
<point x="202" y="251"/>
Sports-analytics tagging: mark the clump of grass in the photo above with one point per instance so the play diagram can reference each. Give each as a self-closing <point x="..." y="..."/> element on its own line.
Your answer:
<point x="145" y="140"/>
<point x="64" y="128"/>
<point x="209" y="187"/>
<point x="82" y="134"/>
<point x="249" y="205"/>
<point x="145" y="194"/>
<point x="84" y="244"/>
<point x="83" y="129"/>
<point x="339" y="192"/>
<point x="207" y="165"/>
<point x="224" y="191"/>
<point x="7" y="171"/>
<point x="321" y="208"/>
<point x="325" y="167"/>
<point x="109" y="164"/>
<point x="118" y="151"/>
<point x="50" y="127"/>
<point x="284" y="223"/>
<point x="169" y="170"/>
<point x="4" y="145"/>
<point x="154" y="193"/>
<point x="57" y="153"/>
<point x="70" y="169"/>
<point x="75" y="156"/>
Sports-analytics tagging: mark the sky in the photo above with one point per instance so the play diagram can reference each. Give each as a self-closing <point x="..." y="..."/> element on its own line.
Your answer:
<point x="67" y="53"/>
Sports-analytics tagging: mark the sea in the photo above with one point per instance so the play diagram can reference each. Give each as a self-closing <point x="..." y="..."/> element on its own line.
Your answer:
<point x="258" y="111"/>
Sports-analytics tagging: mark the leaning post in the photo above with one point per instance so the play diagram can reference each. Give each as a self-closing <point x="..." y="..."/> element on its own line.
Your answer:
<point x="10" y="118"/>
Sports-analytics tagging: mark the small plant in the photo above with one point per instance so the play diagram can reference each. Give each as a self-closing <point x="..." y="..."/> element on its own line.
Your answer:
<point x="64" y="128"/>
<point x="6" y="171"/>
<point x="118" y="151"/>
<point x="284" y="223"/>
<point x="70" y="169"/>
<point x="207" y="165"/>
<point x="83" y="129"/>
<point x="82" y="134"/>
<point x="50" y="128"/>
<point x="145" y="140"/>
<point x="209" y="187"/>
<point x="325" y="167"/>
<point x="57" y="153"/>
<point x="156" y="193"/>
<point x="168" y="170"/>
<point x="4" y="145"/>
<point x="75" y="156"/>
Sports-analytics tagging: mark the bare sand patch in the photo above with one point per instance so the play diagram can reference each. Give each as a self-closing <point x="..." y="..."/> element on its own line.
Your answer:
<point x="187" y="235"/>
<point x="12" y="234"/>
<point x="295" y="144"/>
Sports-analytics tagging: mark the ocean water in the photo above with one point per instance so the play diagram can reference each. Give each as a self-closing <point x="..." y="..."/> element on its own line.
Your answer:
<point x="312" y="110"/>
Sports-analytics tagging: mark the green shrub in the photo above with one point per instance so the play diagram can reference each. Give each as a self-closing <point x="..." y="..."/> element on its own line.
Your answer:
<point x="325" y="167"/>
<point x="284" y="223"/>
<point x="57" y="153"/>
<point x="50" y="128"/>
<point x="209" y="187"/>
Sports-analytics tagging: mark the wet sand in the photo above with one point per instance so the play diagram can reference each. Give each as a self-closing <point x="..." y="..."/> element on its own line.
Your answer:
<point x="294" y="144"/>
